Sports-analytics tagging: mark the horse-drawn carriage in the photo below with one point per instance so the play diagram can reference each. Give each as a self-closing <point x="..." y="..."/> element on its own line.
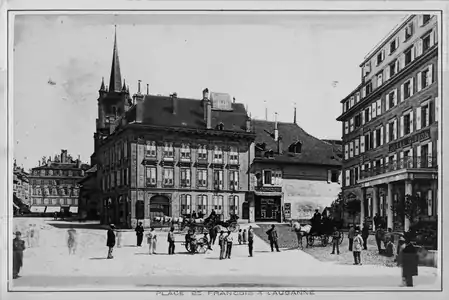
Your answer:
<point x="201" y="225"/>
<point x="196" y="244"/>
<point x="319" y="231"/>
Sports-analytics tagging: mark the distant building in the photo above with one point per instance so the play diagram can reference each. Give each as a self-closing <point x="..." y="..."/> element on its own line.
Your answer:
<point x="292" y="173"/>
<point x="21" y="188"/>
<point x="166" y="155"/>
<point x="390" y="124"/>
<point x="53" y="184"/>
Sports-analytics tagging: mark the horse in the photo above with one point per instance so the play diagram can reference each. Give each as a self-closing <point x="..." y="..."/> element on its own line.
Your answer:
<point x="301" y="231"/>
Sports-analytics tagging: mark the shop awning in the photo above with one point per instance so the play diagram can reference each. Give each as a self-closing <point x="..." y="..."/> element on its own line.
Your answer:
<point x="37" y="209"/>
<point x="53" y="209"/>
<point x="73" y="209"/>
<point x="268" y="194"/>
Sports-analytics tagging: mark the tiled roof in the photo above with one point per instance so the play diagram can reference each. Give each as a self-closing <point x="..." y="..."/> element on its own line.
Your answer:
<point x="158" y="111"/>
<point x="314" y="150"/>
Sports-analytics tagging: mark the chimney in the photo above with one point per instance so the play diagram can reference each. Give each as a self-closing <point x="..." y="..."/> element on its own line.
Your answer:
<point x="205" y="101"/>
<point x="266" y="111"/>
<point x="208" y="114"/>
<point x="280" y="151"/>
<point x="294" y="115"/>
<point x="138" y="101"/>
<point x="138" y="86"/>
<point x="148" y="89"/>
<point x="276" y="131"/>
<point x="174" y="103"/>
<point x="206" y="94"/>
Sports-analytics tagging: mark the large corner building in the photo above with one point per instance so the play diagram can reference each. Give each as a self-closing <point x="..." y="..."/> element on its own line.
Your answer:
<point x="390" y="124"/>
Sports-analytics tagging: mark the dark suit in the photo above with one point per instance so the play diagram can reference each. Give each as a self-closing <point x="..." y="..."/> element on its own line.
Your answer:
<point x="273" y="237"/>
<point x="409" y="264"/>
<point x="17" y="262"/>
<point x="110" y="242"/>
<point x="139" y="234"/>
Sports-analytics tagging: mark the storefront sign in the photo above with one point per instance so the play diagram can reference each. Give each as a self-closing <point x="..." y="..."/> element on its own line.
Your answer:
<point x="424" y="135"/>
<point x="277" y="189"/>
<point x="287" y="210"/>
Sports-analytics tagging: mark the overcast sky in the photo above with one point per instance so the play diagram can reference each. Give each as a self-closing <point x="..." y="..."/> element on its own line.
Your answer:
<point x="280" y="59"/>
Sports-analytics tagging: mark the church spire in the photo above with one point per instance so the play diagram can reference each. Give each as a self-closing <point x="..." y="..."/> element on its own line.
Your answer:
<point x="102" y="87"/>
<point x="115" y="83"/>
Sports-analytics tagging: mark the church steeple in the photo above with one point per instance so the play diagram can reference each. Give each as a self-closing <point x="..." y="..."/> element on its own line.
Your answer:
<point x="102" y="87"/>
<point x="115" y="83"/>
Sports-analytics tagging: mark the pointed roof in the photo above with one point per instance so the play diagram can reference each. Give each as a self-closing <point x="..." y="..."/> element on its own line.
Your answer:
<point x="102" y="87"/>
<point x="115" y="83"/>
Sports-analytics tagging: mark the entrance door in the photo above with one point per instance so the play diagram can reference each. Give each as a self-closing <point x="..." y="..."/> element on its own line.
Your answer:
<point x="270" y="209"/>
<point x="159" y="207"/>
<point x="245" y="210"/>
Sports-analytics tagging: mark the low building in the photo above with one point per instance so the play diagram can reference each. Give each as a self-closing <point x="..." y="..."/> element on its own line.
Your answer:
<point x="390" y="125"/>
<point x="292" y="173"/>
<point x="53" y="184"/>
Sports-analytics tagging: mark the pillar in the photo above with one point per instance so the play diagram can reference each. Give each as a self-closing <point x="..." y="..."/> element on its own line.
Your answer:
<point x="362" y="207"/>
<point x="390" y="205"/>
<point x="375" y="203"/>
<point x="434" y="187"/>
<point x="408" y="191"/>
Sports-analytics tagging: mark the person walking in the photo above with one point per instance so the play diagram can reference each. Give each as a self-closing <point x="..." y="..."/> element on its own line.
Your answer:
<point x="213" y="235"/>
<point x="18" y="246"/>
<point x="351" y="234"/>
<point x="229" y="240"/>
<point x="171" y="241"/>
<point x="335" y="241"/>
<point x="273" y="238"/>
<point x="244" y="236"/>
<point x="151" y="241"/>
<point x="250" y="240"/>
<point x="365" y="235"/>
<point x="111" y="241"/>
<point x="71" y="240"/>
<point x="409" y="262"/>
<point x="222" y="244"/>
<point x="139" y="234"/>
<point x="380" y="236"/>
<point x="357" y="248"/>
<point x="240" y="237"/>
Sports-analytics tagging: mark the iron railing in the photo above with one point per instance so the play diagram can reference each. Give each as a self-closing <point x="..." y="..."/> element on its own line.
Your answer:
<point x="417" y="162"/>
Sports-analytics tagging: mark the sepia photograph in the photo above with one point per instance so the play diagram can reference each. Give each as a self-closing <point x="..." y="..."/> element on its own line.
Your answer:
<point x="224" y="150"/>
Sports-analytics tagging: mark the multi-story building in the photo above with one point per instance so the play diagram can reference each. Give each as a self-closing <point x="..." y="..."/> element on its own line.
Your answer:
<point x="54" y="184"/>
<point x="21" y="188"/>
<point x="89" y="203"/>
<point x="390" y="124"/>
<point x="292" y="173"/>
<point x="164" y="155"/>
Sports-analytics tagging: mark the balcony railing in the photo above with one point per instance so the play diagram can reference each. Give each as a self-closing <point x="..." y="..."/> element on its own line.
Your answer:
<point x="418" y="162"/>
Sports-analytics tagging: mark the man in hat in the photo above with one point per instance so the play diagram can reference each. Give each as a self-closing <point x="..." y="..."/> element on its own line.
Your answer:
<point x="250" y="240"/>
<point x="222" y="244"/>
<point x="139" y="234"/>
<point x="357" y="248"/>
<point x="111" y="240"/>
<point x="409" y="262"/>
<point x="17" y="258"/>
<point x="273" y="238"/>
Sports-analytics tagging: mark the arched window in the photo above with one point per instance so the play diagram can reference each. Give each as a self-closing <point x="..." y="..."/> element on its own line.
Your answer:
<point x="218" y="204"/>
<point x="234" y="205"/>
<point x="202" y="204"/>
<point x="186" y="204"/>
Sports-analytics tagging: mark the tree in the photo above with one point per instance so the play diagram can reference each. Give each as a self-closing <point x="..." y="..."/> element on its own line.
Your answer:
<point x="353" y="207"/>
<point x="337" y="206"/>
<point x="412" y="207"/>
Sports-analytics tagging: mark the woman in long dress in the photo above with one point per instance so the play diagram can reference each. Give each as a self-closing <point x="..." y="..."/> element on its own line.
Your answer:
<point x="17" y="259"/>
<point x="71" y="240"/>
<point x="151" y="241"/>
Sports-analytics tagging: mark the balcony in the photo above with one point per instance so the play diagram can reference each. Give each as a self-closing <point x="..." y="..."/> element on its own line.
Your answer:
<point x="418" y="162"/>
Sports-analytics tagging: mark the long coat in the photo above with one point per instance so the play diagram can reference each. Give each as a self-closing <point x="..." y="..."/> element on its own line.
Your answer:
<point x="18" y="248"/>
<point x="409" y="261"/>
<point x="111" y="238"/>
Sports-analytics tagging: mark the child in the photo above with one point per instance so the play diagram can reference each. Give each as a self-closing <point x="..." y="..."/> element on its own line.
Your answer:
<point x="357" y="248"/>
<point x="240" y="237"/>
<point x="244" y="236"/>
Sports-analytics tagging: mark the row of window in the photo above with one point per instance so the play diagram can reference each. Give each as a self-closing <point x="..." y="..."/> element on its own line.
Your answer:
<point x="384" y="134"/>
<point x="121" y="177"/>
<point x="54" y="201"/>
<point x="202" y="205"/>
<point x="50" y="172"/>
<point x="424" y="79"/>
<point x="408" y="56"/>
<point x="52" y="182"/>
<point x="62" y="191"/>
<point x="424" y="158"/>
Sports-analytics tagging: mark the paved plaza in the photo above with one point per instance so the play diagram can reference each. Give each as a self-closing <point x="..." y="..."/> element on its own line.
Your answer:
<point x="49" y="265"/>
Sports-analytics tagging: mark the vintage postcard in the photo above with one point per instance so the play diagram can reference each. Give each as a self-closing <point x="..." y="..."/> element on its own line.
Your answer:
<point x="223" y="149"/>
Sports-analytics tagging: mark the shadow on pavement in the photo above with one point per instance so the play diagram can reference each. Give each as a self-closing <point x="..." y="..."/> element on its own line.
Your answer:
<point x="77" y="225"/>
<point x="97" y="258"/>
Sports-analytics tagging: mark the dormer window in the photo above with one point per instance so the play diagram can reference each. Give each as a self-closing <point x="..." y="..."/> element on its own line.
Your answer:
<point x="168" y="150"/>
<point x="150" y="149"/>
<point x="218" y="155"/>
<point x="295" y="147"/>
<point x="185" y="152"/>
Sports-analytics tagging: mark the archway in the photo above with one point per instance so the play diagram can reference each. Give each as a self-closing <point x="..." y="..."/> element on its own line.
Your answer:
<point x="140" y="210"/>
<point x="159" y="206"/>
<point x="245" y="210"/>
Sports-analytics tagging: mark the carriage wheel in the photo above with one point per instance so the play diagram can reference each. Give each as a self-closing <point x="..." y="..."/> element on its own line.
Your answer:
<point x="341" y="238"/>
<point x="324" y="240"/>
<point x="188" y="247"/>
<point x="234" y="227"/>
<point x="202" y="246"/>
<point x="310" y="240"/>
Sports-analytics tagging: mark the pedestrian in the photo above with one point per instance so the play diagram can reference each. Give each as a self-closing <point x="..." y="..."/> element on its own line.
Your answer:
<point x="18" y="246"/>
<point x="55" y="216"/>
<point x="71" y="240"/>
<point x="250" y="240"/>
<point x="351" y="234"/>
<point x="409" y="262"/>
<point x="111" y="241"/>
<point x="150" y="240"/>
<point x="30" y="236"/>
<point x="119" y="238"/>
<point x="36" y="235"/>
<point x="389" y="236"/>
<point x="213" y="235"/>
<point x="401" y="246"/>
<point x="380" y="236"/>
<point x="171" y="241"/>
<point x="365" y="235"/>
<point x="240" y="237"/>
<point x="357" y="248"/>
<point x="222" y="244"/>
<point x="229" y="239"/>
<point x="139" y="233"/>
<point x="377" y="221"/>
<point x="207" y="241"/>
<point x="389" y="247"/>
<point x="244" y="236"/>
<point x="336" y="241"/>
<point x="273" y="238"/>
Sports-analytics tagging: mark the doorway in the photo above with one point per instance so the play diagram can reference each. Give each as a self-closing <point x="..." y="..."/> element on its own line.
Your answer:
<point x="268" y="209"/>
<point x="245" y="210"/>
<point x="159" y="206"/>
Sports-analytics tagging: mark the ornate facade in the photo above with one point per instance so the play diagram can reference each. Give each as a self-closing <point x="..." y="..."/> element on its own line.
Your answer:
<point x="54" y="184"/>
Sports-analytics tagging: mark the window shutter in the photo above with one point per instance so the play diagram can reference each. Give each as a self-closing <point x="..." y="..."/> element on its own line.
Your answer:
<point x="432" y="41"/>
<point x="419" y="86"/>
<point x="351" y="149"/>
<point x="346" y="127"/>
<point x="373" y="110"/>
<point x="402" y="92"/>
<point x="387" y="102"/>
<point x="387" y="73"/>
<point x="401" y="159"/>
<point x="419" y="160"/>
<point x="429" y="203"/>
<point x="346" y="151"/>
<point x="430" y="77"/>
<point x="436" y="109"/>
<point x="347" y="178"/>
<point x="413" y="52"/>
<point x="381" y="136"/>
<point x="430" y="157"/>
<point x="401" y="127"/>
<point x="374" y="139"/>
<point x="401" y="61"/>
<point x="363" y="117"/>
<point x="412" y="89"/>
<point x="387" y="132"/>
<point x="396" y="65"/>
<point x="418" y="118"/>
<point x="369" y="114"/>
<point x="419" y="48"/>
<point x="411" y="121"/>
<point x="379" y="107"/>
<point x="435" y="36"/>
<point x="420" y="20"/>
<point x="362" y="144"/>
<point x="395" y="97"/>
<point x="395" y="129"/>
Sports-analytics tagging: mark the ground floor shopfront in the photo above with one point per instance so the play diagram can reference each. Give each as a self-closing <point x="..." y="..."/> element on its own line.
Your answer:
<point x="380" y="194"/>
<point x="126" y="208"/>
